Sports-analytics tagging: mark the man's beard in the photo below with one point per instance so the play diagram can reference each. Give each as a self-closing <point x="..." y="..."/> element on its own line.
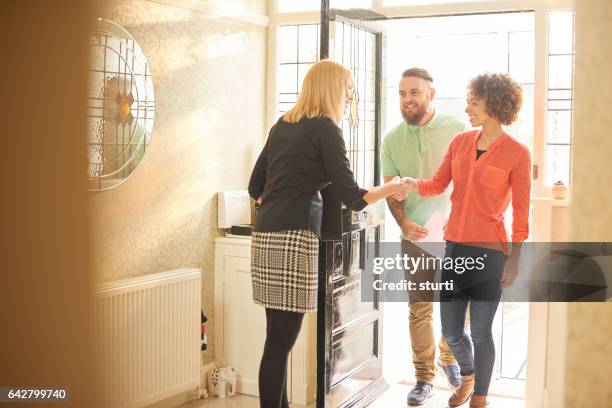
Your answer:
<point x="416" y="117"/>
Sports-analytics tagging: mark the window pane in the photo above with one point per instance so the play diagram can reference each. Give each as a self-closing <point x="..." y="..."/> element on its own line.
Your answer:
<point x="371" y="52"/>
<point x="288" y="98"/>
<point x="288" y="42"/>
<point x="362" y="84"/>
<point x="370" y="115"/>
<point x="559" y="104"/>
<point x="338" y="40"/>
<point x="560" y="71"/>
<point x="347" y="44"/>
<point x="369" y="169"/>
<point x="302" y="70"/>
<point x="557" y="164"/>
<point x="560" y="32"/>
<point x="369" y="92"/>
<point x="298" y="49"/>
<point x="308" y="43"/>
<point x="521" y="56"/>
<point x="362" y="46"/>
<point x="436" y="51"/>
<point x="287" y="78"/>
<point x="370" y="131"/>
<point x="559" y="127"/>
<point x="284" y="107"/>
<point x="560" y="94"/>
<point x="560" y="75"/>
<point x="361" y="108"/>
<point x="522" y="129"/>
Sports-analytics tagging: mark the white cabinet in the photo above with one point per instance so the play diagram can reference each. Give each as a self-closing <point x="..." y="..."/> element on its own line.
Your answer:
<point x="240" y="326"/>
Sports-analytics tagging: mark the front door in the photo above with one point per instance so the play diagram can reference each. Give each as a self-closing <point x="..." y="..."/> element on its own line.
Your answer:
<point x="349" y="349"/>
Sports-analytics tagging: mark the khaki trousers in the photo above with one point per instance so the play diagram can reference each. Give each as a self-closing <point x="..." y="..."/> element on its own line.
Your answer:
<point x="421" y="322"/>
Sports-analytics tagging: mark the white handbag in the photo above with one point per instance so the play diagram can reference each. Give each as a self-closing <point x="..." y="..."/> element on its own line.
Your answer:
<point x="222" y="382"/>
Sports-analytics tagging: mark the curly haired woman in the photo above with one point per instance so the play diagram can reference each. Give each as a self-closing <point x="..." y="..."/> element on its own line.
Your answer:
<point x="488" y="168"/>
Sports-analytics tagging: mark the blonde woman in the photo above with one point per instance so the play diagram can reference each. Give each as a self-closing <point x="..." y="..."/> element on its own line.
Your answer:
<point x="304" y="153"/>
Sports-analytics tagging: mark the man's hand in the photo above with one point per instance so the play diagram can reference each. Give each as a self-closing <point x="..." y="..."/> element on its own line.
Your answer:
<point x="410" y="229"/>
<point x="413" y="231"/>
<point x="399" y="189"/>
<point x="405" y="186"/>
<point x="411" y="184"/>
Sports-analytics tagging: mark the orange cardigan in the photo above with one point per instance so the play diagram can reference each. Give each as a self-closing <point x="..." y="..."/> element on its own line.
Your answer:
<point x="483" y="189"/>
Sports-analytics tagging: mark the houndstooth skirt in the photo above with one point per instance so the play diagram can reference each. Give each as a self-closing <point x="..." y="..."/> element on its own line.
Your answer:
<point x="284" y="270"/>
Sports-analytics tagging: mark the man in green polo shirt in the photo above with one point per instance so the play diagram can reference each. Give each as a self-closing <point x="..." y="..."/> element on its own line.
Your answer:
<point x="415" y="148"/>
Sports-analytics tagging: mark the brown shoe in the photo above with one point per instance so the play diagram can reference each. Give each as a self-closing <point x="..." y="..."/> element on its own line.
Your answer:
<point x="478" y="401"/>
<point x="463" y="393"/>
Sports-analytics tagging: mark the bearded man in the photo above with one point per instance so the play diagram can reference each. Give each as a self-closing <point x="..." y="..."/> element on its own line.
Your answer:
<point x="415" y="148"/>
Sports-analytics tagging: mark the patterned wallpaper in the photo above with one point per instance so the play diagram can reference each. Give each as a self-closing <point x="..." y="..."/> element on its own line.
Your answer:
<point x="589" y="349"/>
<point x="209" y="78"/>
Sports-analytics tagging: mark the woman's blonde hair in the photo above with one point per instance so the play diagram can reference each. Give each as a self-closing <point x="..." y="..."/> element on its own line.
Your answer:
<point x="323" y="92"/>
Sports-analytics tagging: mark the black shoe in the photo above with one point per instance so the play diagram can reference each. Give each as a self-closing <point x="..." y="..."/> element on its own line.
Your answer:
<point x="419" y="394"/>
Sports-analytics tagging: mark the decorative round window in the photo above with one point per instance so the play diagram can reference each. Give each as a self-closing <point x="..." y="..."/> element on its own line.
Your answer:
<point x="121" y="105"/>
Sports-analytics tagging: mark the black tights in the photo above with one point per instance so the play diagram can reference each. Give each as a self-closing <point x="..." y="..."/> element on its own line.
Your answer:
<point x="282" y="329"/>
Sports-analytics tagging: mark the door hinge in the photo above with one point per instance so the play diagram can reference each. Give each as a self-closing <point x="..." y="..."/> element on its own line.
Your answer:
<point x="534" y="171"/>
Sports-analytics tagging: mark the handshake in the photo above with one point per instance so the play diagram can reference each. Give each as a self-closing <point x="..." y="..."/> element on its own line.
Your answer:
<point x="401" y="186"/>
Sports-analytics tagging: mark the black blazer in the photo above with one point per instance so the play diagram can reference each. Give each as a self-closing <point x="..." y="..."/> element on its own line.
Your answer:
<point x="299" y="160"/>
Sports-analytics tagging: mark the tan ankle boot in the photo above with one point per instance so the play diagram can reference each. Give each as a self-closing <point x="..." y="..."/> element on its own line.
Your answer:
<point x="463" y="393"/>
<point x="478" y="401"/>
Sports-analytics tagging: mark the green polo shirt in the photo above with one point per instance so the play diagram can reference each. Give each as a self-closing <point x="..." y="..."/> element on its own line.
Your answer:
<point x="417" y="151"/>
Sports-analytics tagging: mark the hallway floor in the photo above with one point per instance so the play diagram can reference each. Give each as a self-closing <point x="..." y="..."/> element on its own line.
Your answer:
<point x="394" y="397"/>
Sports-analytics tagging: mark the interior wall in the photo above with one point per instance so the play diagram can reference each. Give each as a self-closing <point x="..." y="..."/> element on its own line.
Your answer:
<point x="251" y="6"/>
<point x="44" y="281"/>
<point x="589" y="350"/>
<point x="209" y="83"/>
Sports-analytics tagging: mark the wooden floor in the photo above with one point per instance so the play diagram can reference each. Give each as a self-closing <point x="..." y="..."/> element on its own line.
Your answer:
<point x="394" y="397"/>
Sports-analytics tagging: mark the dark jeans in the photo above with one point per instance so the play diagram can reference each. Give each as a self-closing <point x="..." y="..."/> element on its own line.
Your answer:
<point x="282" y="329"/>
<point x="480" y="290"/>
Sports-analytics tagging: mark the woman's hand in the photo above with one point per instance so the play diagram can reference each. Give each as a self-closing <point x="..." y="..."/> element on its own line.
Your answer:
<point x="404" y="186"/>
<point x="395" y="186"/>
<point x="411" y="184"/>
<point x="510" y="270"/>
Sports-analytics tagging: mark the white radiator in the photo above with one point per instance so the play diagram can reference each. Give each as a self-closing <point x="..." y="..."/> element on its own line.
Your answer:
<point x="148" y="337"/>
